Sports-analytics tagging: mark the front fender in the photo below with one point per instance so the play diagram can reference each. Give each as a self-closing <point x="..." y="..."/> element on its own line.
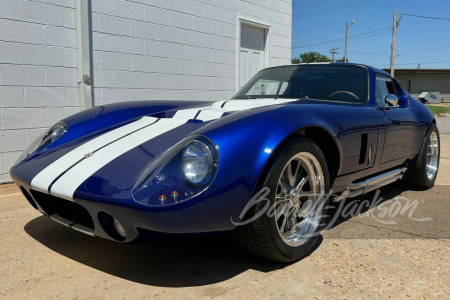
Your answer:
<point x="247" y="140"/>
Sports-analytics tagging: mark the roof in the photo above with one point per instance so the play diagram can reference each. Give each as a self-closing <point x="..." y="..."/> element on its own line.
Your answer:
<point x="421" y="71"/>
<point x="352" y="64"/>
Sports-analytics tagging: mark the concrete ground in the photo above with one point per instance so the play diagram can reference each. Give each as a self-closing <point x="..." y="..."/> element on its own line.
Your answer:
<point x="443" y="125"/>
<point x="376" y="254"/>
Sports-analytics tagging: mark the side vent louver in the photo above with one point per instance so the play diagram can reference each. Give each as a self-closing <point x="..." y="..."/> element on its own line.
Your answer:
<point x="363" y="153"/>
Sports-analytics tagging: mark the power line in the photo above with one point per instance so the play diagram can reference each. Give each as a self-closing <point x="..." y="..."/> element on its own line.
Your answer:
<point x="314" y="2"/>
<point x="321" y="37"/>
<point x="368" y="36"/>
<point x="342" y="39"/>
<point x="364" y="33"/>
<point x="430" y="62"/>
<point x="428" y="49"/>
<point x="426" y="17"/>
<point x="364" y="52"/>
<point x="333" y="9"/>
<point x="404" y="51"/>
<point x="378" y="55"/>
<point x="422" y="63"/>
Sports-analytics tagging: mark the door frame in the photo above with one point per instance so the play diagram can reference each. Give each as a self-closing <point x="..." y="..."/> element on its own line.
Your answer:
<point x="403" y="119"/>
<point x="254" y="23"/>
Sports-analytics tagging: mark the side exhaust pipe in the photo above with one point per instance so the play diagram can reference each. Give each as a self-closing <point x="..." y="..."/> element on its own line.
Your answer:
<point x="373" y="183"/>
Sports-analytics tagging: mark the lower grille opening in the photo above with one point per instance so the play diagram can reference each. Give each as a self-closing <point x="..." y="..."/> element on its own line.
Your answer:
<point x="110" y="225"/>
<point x="71" y="211"/>
<point x="28" y="197"/>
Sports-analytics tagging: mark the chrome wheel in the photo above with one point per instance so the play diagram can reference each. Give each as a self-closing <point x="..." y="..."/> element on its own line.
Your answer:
<point x="432" y="160"/>
<point x="299" y="199"/>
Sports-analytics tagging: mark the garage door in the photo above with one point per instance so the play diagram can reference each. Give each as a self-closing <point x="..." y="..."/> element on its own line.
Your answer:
<point x="251" y="52"/>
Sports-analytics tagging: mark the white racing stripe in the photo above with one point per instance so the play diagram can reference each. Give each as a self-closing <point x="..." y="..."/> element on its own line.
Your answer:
<point x="73" y="170"/>
<point x="210" y="114"/>
<point x="238" y="105"/>
<point x="65" y="186"/>
<point x="187" y="113"/>
<point x="191" y="113"/>
<point x="219" y="104"/>
<point x="42" y="180"/>
<point x="217" y="109"/>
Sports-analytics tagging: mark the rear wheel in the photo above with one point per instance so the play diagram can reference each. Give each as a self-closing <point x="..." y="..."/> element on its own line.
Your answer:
<point x="297" y="183"/>
<point x="423" y="172"/>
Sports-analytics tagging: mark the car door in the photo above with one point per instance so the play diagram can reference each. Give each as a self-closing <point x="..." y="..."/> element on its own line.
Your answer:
<point x="358" y="136"/>
<point x="401" y="123"/>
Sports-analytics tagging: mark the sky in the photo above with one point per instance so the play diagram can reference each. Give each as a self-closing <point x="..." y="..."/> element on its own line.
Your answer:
<point x="319" y="25"/>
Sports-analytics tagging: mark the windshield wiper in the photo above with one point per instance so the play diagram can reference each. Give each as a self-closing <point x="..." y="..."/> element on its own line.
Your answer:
<point x="249" y="97"/>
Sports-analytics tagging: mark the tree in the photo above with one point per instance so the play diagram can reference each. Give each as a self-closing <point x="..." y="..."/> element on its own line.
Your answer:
<point x="342" y="60"/>
<point x="310" y="57"/>
<point x="296" y="60"/>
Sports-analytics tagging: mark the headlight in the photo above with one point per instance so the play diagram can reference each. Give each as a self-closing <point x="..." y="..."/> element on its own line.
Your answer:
<point x="182" y="172"/>
<point x="44" y="140"/>
<point x="57" y="132"/>
<point x="197" y="163"/>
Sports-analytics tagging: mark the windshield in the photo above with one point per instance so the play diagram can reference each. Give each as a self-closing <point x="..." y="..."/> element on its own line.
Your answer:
<point x="346" y="83"/>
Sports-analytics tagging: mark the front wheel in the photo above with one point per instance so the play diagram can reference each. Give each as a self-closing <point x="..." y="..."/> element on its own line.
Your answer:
<point x="286" y="225"/>
<point x="423" y="172"/>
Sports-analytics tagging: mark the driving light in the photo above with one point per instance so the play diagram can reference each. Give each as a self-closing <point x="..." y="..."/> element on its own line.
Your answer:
<point x="175" y="196"/>
<point x="162" y="199"/>
<point x="197" y="163"/>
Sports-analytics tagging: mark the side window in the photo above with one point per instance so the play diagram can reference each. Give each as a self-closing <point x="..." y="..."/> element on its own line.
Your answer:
<point x="384" y="87"/>
<point x="391" y="87"/>
<point x="401" y="91"/>
<point x="381" y="91"/>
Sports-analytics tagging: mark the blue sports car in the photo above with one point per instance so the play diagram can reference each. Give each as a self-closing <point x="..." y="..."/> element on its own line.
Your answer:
<point x="261" y="165"/>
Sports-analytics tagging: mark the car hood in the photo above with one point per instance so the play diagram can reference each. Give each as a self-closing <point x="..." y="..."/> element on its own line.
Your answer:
<point x="105" y="161"/>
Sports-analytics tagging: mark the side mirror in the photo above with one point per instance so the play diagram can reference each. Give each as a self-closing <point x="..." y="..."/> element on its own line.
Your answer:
<point x="391" y="100"/>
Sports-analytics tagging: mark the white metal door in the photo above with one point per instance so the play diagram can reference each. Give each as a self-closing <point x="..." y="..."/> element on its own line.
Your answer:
<point x="251" y="52"/>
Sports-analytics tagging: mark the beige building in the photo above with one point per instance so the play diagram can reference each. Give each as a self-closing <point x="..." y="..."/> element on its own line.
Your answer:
<point x="417" y="81"/>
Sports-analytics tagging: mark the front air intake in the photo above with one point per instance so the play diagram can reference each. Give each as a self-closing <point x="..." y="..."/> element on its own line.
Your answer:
<point x="71" y="211"/>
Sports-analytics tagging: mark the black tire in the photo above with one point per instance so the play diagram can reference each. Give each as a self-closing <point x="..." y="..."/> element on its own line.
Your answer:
<point x="261" y="236"/>
<point x="416" y="176"/>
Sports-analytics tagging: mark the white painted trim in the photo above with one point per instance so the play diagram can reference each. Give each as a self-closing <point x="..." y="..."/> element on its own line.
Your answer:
<point x="84" y="53"/>
<point x="244" y="20"/>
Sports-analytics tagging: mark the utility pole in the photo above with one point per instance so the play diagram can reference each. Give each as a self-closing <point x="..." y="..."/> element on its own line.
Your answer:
<point x="346" y="41"/>
<point x="333" y="52"/>
<point x="394" y="34"/>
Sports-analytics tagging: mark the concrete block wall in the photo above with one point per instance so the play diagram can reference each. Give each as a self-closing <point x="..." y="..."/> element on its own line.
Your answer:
<point x="178" y="49"/>
<point x="143" y="50"/>
<point x="37" y="72"/>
